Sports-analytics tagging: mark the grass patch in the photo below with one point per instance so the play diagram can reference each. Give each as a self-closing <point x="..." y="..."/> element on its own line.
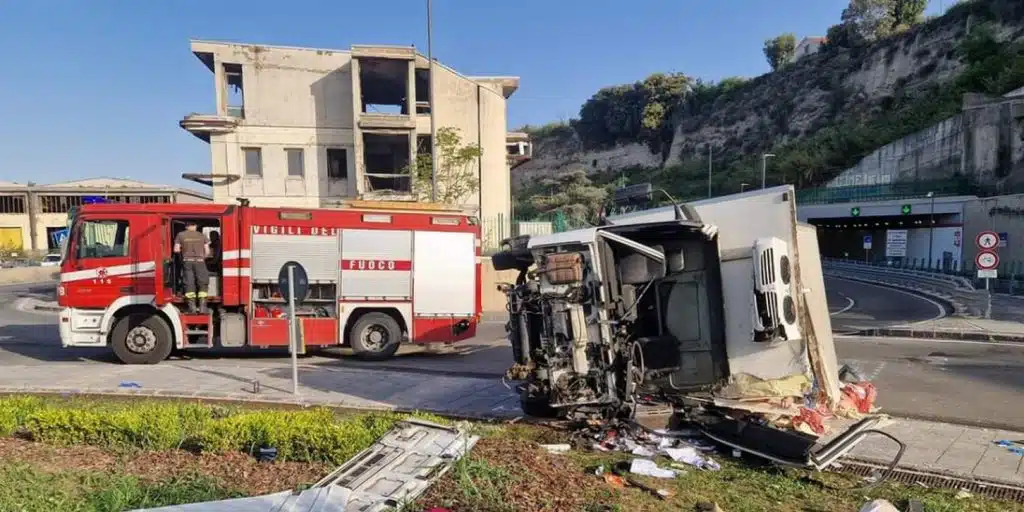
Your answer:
<point x="508" y="472"/>
<point x="25" y="488"/>
<point x="309" y="435"/>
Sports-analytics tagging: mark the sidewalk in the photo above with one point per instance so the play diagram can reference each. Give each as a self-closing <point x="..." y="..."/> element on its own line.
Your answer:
<point x="962" y="451"/>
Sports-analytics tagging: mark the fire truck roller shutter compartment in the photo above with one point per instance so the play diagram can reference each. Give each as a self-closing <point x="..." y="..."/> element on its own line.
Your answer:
<point x="318" y="254"/>
<point x="445" y="264"/>
<point x="376" y="264"/>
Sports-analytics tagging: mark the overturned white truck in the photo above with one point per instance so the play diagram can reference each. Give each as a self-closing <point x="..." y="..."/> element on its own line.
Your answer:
<point x="715" y="309"/>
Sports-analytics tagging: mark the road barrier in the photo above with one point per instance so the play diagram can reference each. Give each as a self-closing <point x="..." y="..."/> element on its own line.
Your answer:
<point x="958" y="291"/>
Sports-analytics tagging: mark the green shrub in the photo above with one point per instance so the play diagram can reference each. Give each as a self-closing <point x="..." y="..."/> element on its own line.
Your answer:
<point x="311" y="435"/>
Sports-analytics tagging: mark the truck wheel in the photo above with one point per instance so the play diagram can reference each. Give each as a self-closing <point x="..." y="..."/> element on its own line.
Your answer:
<point x="375" y="336"/>
<point x="141" y="338"/>
<point x="537" y="407"/>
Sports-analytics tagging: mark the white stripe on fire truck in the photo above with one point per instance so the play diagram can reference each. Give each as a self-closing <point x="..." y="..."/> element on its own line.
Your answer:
<point x="236" y="272"/>
<point x="105" y="272"/>
<point x="236" y="254"/>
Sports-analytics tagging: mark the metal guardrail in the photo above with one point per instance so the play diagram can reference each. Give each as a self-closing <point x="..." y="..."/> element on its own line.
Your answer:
<point x="957" y="290"/>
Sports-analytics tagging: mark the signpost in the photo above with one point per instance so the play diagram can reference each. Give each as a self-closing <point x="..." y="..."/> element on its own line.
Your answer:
<point x="906" y="209"/>
<point x="1003" y="238"/>
<point x="896" y="243"/>
<point x="867" y="247"/>
<point x="988" y="262"/>
<point x="292" y="281"/>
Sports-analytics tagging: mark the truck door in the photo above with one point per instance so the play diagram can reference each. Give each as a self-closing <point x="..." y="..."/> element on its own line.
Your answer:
<point x="111" y="258"/>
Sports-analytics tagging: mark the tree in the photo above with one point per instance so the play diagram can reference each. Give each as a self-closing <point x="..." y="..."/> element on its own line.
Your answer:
<point x="870" y="19"/>
<point x="456" y="179"/>
<point x="572" y="194"/>
<point x="907" y="13"/>
<point x="780" y="50"/>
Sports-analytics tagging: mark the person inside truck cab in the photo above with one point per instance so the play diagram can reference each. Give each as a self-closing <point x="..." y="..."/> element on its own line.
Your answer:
<point x="213" y="257"/>
<point x="194" y="248"/>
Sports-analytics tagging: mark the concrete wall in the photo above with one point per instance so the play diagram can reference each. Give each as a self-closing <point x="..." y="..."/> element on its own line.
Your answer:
<point x="985" y="142"/>
<point x="27" y="275"/>
<point x="999" y="214"/>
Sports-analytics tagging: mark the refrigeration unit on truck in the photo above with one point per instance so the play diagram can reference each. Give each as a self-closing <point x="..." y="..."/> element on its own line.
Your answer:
<point x="380" y="274"/>
<point x="703" y="309"/>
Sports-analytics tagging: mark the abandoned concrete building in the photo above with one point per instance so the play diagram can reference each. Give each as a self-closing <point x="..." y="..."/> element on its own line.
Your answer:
<point x="310" y="127"/>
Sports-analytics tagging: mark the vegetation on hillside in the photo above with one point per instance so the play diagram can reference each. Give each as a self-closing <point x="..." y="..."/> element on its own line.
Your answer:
<point x="652" y="111"/>
<point x="779" y="50"/>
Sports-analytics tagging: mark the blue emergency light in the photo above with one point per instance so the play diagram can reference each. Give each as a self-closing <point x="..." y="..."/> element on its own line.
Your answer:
<point x="94" y="200"/>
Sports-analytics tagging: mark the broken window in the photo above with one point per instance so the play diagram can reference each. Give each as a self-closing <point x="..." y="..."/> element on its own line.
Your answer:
<point x="12" y="204"/>
<point x="235" y="97"/>
<point x="422" y="91"/>
<point x="296" y="162"/>
<point x="383" y="83"/>
<point x="387" y="162"/>
<point x="337" y="164"/>
<point x="253" y="161"/>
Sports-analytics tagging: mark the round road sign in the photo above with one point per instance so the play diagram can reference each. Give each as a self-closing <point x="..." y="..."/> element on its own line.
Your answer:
<point x="987" y="240"/>
<point x="301" y="284"/>
<point x="986" y="260"/>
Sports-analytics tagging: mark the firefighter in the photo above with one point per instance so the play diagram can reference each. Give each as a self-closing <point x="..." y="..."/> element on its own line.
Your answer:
<point x="194" y="248"/>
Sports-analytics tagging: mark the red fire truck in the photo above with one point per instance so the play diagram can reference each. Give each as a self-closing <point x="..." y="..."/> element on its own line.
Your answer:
<point x="380" y="273"/>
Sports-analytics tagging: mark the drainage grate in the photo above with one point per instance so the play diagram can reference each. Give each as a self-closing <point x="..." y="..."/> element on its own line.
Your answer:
<point x="990" y="489"/>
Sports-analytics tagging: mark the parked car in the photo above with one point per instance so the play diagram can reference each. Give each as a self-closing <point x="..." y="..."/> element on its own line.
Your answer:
<point x="51" y="260"/>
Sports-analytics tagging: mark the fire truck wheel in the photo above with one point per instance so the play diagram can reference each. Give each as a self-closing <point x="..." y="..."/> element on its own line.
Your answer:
<point x="375" y="336"/>
<point x="141" y="338"/>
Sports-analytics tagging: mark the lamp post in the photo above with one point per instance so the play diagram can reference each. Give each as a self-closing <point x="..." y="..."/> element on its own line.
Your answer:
<point x="742" y="185"/>
<point x="931" y="226"/>
<point x="709" y="171"/>
<point x="433" y="124"/>
<point x="764" y="165"/>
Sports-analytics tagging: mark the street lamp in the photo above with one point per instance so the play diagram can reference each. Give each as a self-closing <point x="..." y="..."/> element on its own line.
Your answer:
<point x="764" y="165"/>
<point x="430" y="89"/>
<point x="742" y="185"/>
<point x="931" y="226"/>
<point x="709" y="171"/>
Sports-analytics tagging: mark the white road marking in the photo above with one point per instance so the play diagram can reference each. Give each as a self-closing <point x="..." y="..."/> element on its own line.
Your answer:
<point x="849" y="305"/>
<point x="942" y="310"/>
<point x="918" y="341"/>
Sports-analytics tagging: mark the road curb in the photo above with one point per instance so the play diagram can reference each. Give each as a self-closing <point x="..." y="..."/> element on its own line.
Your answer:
<point x="905" y="332"/>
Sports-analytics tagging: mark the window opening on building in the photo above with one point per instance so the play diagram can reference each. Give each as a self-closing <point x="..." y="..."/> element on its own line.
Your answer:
<point x="387" y="162"/>
<point x="384" y="86"/>
<point x="235" y="90"/>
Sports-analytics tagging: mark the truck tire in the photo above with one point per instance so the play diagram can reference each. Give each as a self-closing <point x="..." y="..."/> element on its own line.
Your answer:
<point x="537" y="407"/>
<point x="375" y="336"/>
<point x="141" y="338"/>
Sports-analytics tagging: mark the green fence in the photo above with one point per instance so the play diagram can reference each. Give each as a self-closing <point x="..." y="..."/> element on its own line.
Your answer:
<point x="903" y="190"/>
<point x="499" y="227"/>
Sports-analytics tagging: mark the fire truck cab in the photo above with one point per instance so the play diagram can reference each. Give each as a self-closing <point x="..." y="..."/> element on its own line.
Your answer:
<point x="380" y="274"/>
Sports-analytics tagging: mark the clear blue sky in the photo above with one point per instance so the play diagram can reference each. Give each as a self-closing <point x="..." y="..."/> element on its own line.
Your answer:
<point x="97" y="87"/>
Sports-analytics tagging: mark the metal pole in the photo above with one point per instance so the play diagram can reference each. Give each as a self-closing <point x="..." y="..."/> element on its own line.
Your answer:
<point x="433" y="124"/>
<point x="931" y="231"/>
<point x="709" y="171"/>
<point x="764" y="164"/>
<point x="293" y="340"/>
<point x="988" y="302"/>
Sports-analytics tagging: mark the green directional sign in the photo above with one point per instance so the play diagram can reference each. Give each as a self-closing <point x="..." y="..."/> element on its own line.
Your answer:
<point x="905" y="209"/>
<point x="855" y="211"/>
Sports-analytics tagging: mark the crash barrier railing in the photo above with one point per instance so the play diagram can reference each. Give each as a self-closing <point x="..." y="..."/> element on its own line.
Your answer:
<point x="1009" y="282"/>
<point x="959" y="291"/>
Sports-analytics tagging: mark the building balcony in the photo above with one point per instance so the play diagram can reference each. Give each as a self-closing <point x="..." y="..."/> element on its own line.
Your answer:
<point x="204" y="125"/>
<point x="519" y="149"/>
<point x="387" y="121"/>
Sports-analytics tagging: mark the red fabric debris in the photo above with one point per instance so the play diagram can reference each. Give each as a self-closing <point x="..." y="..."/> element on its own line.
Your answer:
<point x="862" y="395"/>
<point x="812" y="418"/>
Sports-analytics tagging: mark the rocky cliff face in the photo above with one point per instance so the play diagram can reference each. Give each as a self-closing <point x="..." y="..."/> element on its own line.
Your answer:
<point x="792" y="103"/>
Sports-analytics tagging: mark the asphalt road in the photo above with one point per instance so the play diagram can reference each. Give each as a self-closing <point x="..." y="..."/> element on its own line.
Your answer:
<point x="855" y="306"/>
<point x="963" y="382"/>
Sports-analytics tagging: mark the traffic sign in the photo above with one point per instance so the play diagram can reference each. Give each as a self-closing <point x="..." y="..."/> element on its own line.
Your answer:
<point x="867" y="241"/>
<point x="1003" y="238"/>
<point x="855" y="211"/>
<point x="896" y="243"/>
<point x="987" y="240"/>
<point x="905" y="209"/>
<point x="300" y="284"/>
<point x="986" y="260"/>
<point x="988" y="274"/>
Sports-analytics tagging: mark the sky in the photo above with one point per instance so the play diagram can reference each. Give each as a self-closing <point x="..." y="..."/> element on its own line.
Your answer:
<point x="94" y="88"/>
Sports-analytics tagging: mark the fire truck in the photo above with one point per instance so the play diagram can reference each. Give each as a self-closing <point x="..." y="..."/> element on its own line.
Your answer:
<point x="380" y="274"/>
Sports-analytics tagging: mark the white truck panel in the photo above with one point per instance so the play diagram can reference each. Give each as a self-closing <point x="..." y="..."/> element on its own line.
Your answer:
<point x="445" y="265"/>
<point x="318" y="254"/>
<point x="376" y="263"/>
<point x="741" y="219"/>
